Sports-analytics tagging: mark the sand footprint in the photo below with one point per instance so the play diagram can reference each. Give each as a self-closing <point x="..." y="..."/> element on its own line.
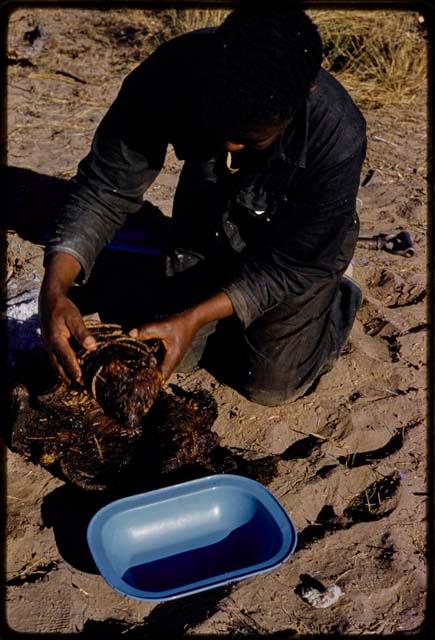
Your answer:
<point x="377" y="501"/>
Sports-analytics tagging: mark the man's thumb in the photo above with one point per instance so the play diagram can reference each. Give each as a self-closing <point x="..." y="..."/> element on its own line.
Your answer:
<point x="142" y="333"/>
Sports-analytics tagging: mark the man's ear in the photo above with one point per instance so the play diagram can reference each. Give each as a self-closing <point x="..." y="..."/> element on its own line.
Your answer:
<point x="313" y="87"/>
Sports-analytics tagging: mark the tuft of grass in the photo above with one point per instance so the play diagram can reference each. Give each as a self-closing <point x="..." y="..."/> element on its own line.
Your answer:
<point x="380" y="56"/>
<point x="188" y="19"/>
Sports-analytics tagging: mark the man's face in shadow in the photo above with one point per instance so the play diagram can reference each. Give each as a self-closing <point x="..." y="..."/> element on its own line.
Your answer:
<point x="258" y="139"/>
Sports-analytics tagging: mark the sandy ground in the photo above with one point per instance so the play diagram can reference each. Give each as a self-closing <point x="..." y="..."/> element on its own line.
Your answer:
<point x="362" y="432"/>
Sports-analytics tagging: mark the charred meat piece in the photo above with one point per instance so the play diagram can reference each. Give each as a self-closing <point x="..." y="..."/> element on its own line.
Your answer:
<point x="66" y="431"/>
<point x="88" y="435"/>
<point x="178" y="429"/>
<point x="122" y="429"/>
<point x="122" y="374"/>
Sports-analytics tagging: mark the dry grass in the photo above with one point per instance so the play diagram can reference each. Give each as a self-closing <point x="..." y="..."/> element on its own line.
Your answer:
<point x="183" y="20"/>
<point x="380" y="56"/>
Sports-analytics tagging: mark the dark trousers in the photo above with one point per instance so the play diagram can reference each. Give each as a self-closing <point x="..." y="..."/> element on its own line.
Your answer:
<point x="274" y="361"/>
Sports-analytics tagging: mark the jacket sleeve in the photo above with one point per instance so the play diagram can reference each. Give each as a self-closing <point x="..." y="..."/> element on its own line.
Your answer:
<point x="127" y="153"/>
<point x="303" y="244"/>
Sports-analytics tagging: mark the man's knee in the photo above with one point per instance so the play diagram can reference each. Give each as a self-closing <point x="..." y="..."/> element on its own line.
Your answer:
<point x="272" y="390"/>
<point x="270" y="397"/>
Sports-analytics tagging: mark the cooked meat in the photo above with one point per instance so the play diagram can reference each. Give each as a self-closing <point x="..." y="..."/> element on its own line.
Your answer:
<point x="66" y="431"/>
<point x="122" y="426"/>
<point x="122" y="373"/>
<point x="178" y="429"/>
<point x="89" y="435"/>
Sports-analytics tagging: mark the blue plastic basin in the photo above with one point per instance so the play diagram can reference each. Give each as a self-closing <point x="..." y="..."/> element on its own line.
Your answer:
<point x="193" y="536"/>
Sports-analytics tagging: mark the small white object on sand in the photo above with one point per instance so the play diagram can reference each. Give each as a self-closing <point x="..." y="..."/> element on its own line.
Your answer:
<point x="322" y="599"/>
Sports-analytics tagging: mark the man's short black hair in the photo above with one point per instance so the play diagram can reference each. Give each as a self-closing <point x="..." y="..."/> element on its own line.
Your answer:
<point x="266" y="62"/>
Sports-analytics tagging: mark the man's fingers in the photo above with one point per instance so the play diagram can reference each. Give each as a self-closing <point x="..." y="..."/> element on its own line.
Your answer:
<point x="66" y="358"/>
<point x="166" y="370"/>
<point x="150" y="331"/>
<point x="61" y="321"/>
<point x="81" y="333"/>
<point x="146" y="332"/>
<point x="58" y="368"/>
<point x="169" y="364"/>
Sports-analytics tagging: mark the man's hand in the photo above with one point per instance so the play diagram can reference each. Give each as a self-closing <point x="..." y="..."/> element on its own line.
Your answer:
<point x="60" y="319"/>
<point x="178" y="331"/>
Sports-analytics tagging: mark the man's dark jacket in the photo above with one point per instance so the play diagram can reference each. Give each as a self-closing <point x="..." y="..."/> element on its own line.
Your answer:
<point x="271" y="229"/>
